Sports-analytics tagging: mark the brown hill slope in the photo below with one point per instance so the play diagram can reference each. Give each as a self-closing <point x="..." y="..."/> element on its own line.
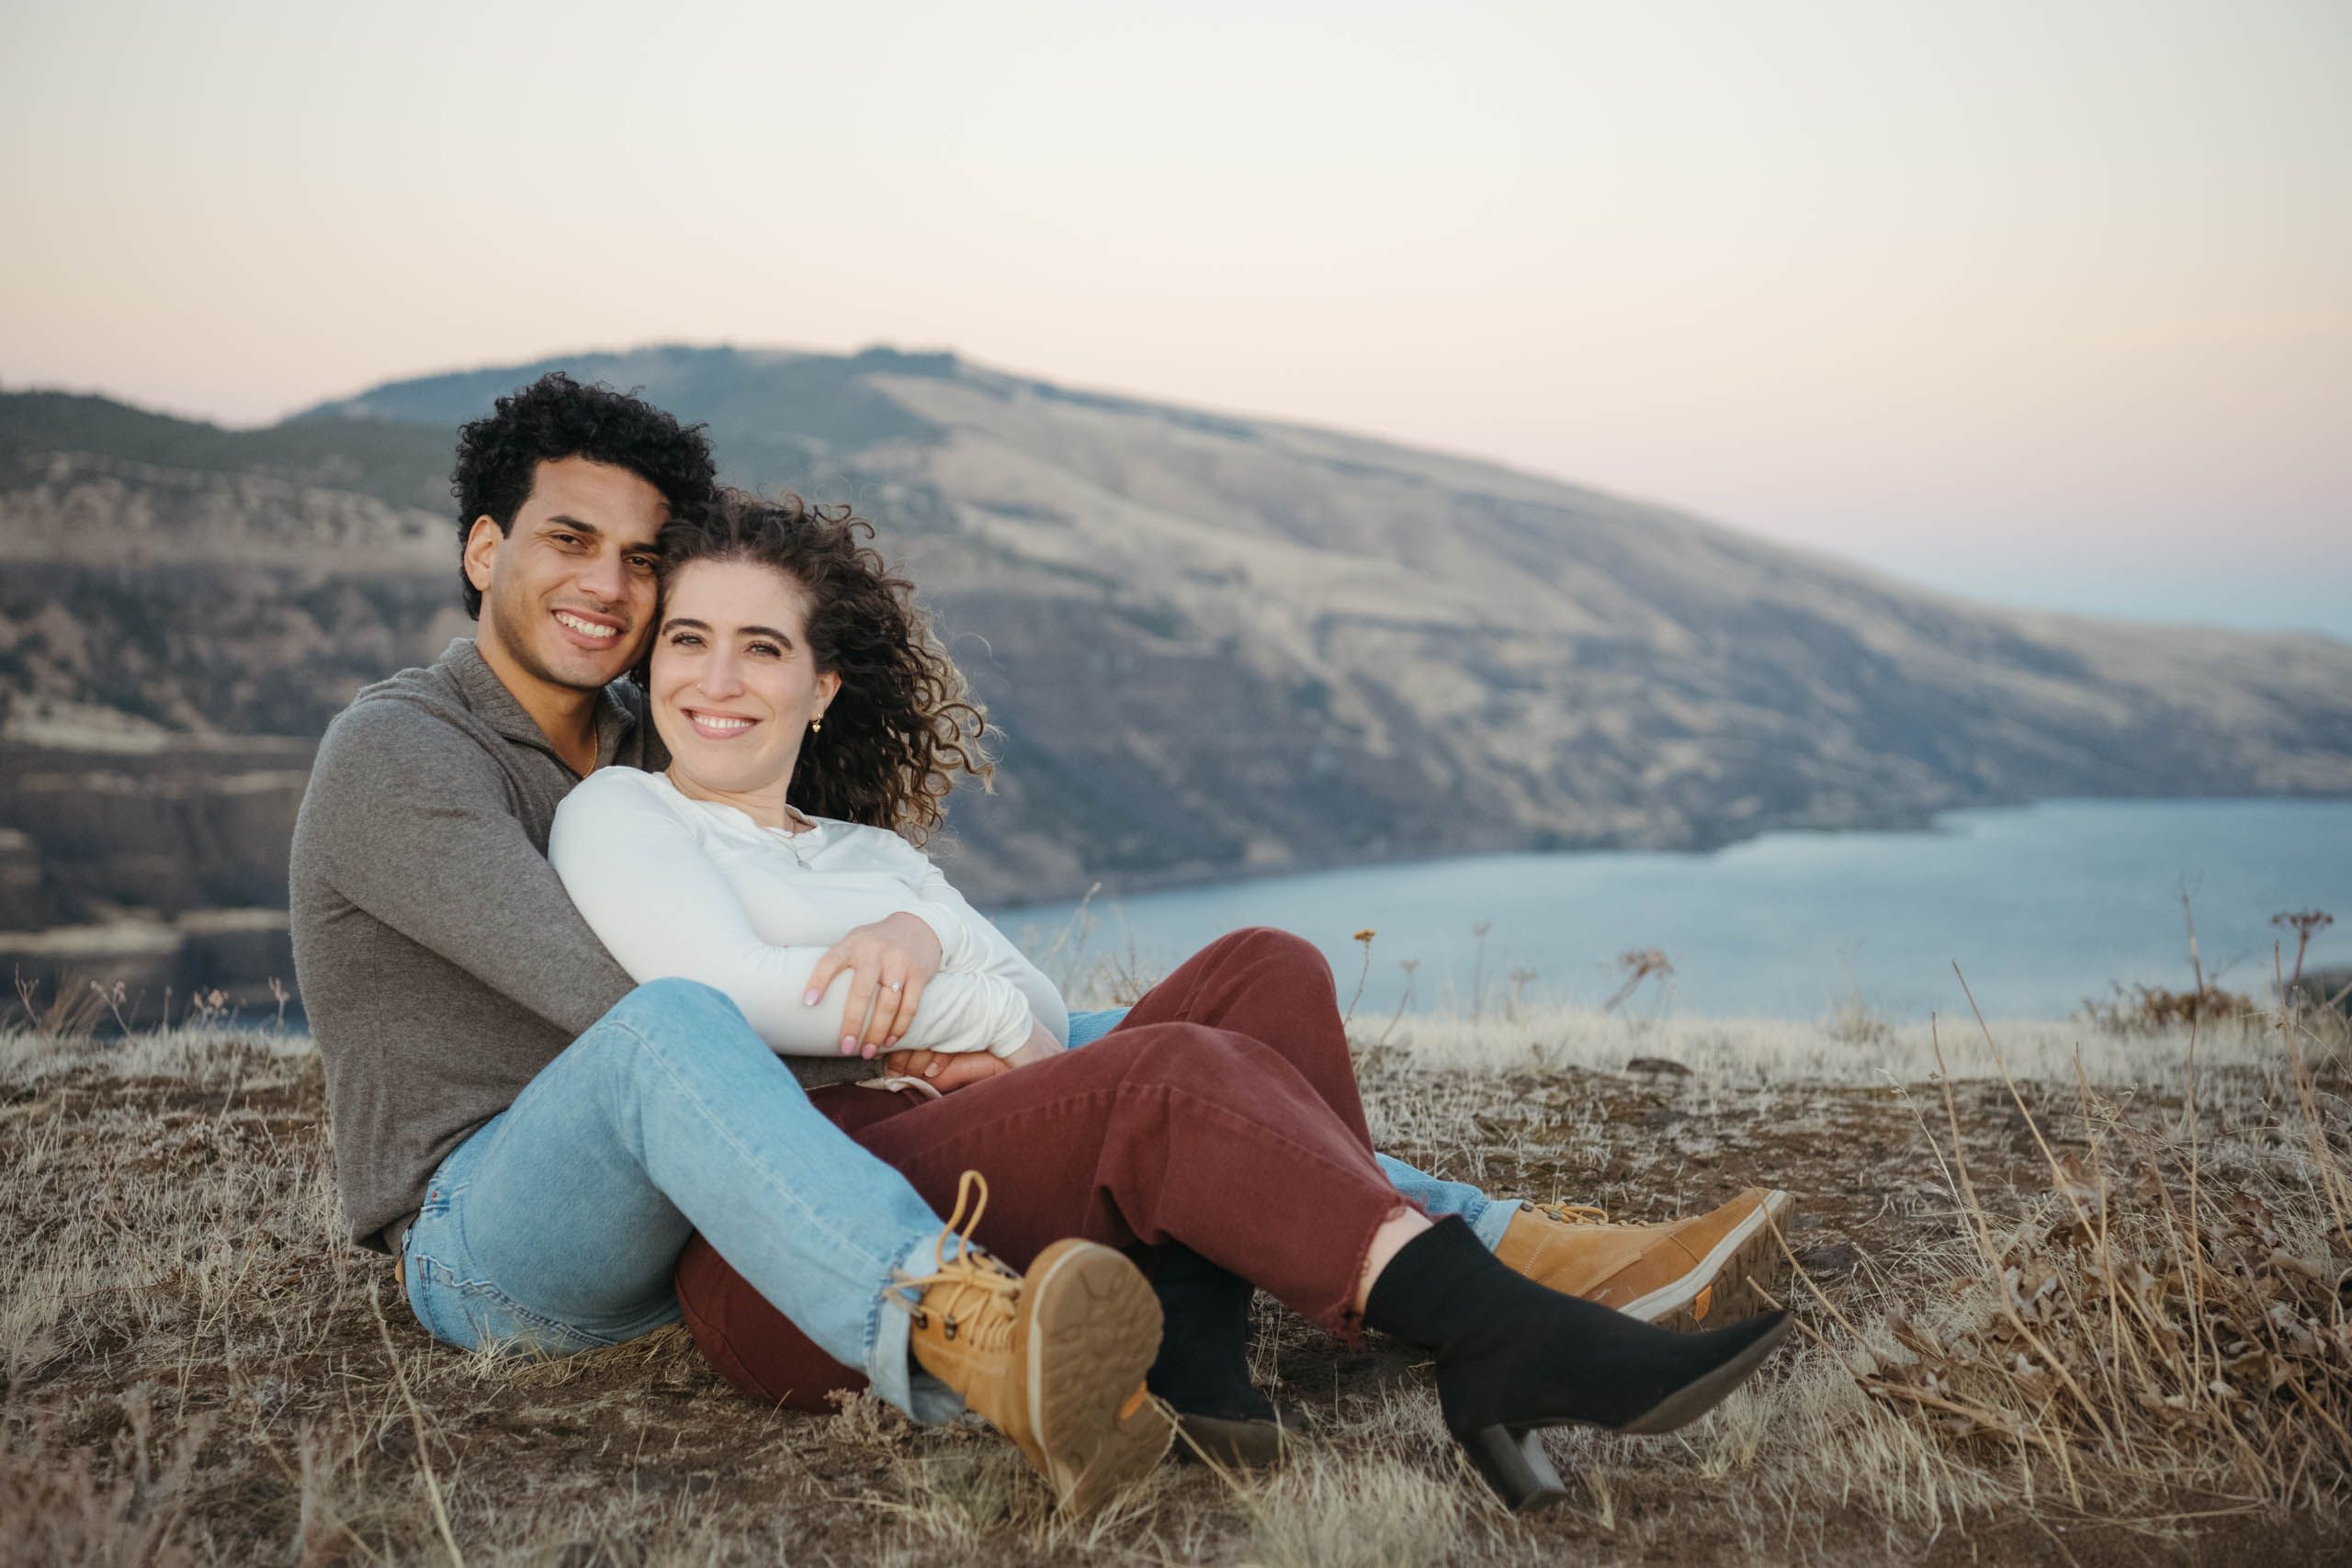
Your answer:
<point x="1211" y="643"/>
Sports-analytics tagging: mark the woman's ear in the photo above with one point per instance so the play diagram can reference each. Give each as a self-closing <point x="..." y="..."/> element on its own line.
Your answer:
<point x="828" y="686"/>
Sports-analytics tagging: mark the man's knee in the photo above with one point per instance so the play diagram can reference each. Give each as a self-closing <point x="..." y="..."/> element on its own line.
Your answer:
<point x="673" y="1002"/>
<point x="672" y="1012"/>
<point x="671" y="1032"/>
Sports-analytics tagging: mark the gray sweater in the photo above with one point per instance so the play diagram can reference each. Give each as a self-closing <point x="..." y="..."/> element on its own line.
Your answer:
<point x="439" y="961"/>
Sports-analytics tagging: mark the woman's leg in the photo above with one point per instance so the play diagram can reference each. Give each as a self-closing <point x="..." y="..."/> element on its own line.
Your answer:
<point x="1276" y="989"/>
<point x="1178" y="1132"/>
<point x="1269" y="985"/>
<point x="1706" y="1268"/>
<point x="1434" y="1196"/>
<point x="1512" y="1354"/>
<point x="1160" y="1133"/>
<point x="1165" y="1131"/>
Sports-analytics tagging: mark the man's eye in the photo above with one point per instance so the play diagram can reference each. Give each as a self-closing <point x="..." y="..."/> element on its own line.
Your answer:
<point x="641" y="563"/>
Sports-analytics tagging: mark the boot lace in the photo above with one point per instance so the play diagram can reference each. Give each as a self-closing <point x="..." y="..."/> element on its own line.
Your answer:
<point x="1574" y="1213"/>
<point x="972" y="1294"/>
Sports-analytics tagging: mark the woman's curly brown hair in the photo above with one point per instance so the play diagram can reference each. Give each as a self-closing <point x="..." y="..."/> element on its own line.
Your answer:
<point x="903" y="724"/>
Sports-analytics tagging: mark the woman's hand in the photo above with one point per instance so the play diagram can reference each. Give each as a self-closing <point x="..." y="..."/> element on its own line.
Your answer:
<point x="890" y="962"/>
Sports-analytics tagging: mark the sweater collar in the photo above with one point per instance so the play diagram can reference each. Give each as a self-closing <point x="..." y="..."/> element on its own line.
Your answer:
<point x="487" y="696"/>
<point x="736" y="817"/>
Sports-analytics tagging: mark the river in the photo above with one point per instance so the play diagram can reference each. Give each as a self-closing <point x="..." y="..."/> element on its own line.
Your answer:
<point x="2041" y="906"/>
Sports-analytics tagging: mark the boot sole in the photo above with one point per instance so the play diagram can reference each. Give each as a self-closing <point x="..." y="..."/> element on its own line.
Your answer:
<point x="1748" y="1248"/>
<point x="1702" y="1394"/>
<point x="1512" y="1460"/>
<point x="1093" y="1333"/>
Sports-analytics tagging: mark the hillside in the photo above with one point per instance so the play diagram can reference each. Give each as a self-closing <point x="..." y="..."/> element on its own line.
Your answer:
<point x="1211" y="644"/>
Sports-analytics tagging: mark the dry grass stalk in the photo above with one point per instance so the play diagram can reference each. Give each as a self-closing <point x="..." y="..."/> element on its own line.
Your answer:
<point x="2152" y="1333"/>
<point x="73" y="1014"/>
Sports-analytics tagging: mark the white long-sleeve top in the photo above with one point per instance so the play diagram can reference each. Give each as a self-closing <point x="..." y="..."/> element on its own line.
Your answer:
<point x="673" y="885"/>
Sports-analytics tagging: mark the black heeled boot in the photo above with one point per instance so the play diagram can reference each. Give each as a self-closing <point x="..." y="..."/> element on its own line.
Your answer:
<point x="1513" y="1358"/>
<point x="1203" y="1366"/>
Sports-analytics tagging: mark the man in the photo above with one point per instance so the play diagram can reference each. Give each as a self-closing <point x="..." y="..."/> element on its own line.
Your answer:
<point x="534" y="1139"/>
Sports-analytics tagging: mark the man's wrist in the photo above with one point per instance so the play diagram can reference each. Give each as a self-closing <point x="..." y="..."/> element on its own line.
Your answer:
<point x="1038" y="1048"/>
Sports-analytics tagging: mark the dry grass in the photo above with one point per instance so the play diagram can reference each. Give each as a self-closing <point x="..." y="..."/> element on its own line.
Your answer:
<point x="1851" y="1047"/>
<point x="2069" y="1296"/>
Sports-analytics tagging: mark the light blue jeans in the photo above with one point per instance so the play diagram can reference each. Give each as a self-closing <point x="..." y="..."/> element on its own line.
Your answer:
<point x="554" y="1227"/>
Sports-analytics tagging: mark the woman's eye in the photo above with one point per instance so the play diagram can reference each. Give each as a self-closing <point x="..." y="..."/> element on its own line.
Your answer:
<point x="768" y="648"/>
<point x="684" y="639"/>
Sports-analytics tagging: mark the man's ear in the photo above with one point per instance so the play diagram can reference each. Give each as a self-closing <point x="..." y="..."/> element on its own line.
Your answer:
<point x="481" y="547"/>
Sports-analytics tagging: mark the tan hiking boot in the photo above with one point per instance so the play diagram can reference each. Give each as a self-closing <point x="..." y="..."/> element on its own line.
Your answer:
<point x="1686" y="1274"/>
<point x="1054" y="1358"/>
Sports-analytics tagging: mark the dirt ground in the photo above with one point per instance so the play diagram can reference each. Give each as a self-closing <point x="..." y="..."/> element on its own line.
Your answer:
<point x="199" y="1372"/>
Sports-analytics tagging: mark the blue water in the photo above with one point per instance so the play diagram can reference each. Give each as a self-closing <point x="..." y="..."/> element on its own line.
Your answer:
<point x="2040" y="905"/>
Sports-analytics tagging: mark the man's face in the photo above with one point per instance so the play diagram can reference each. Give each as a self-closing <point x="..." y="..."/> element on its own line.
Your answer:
<point x="567" y="593"/>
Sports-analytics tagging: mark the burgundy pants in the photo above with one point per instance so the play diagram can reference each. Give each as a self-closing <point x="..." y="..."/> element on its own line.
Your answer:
<point x="1221" y="1112"/>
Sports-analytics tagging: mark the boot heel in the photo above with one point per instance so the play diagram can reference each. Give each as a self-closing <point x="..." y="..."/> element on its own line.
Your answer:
<point x="1516" y="1466"/>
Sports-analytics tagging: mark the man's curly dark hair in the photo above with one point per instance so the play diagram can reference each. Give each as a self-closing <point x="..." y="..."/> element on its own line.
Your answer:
<point x="555" y="416"/>
<point x="903" y="724"/>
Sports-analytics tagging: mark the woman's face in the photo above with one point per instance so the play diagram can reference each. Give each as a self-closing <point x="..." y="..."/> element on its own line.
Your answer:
<point x="733" y="682"/>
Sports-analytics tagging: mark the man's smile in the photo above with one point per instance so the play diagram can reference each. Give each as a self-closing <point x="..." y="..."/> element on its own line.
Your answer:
<point x="589" y="631"/>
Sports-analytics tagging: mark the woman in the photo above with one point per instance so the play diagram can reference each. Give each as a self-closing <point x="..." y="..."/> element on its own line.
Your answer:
<point x="811" y="721"/>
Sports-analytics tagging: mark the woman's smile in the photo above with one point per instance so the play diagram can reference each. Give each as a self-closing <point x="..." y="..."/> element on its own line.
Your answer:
<point x="713" y="725"/>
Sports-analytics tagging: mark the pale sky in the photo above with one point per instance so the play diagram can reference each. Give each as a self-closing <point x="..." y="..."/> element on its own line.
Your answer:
<point x="2048" y="303"/>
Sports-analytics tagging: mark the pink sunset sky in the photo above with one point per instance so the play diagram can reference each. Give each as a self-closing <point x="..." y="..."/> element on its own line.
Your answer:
<point x="2044" y="304"/>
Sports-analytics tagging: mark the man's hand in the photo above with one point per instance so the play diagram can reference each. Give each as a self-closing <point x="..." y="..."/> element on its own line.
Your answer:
<point x="890" y="962"/>
<point x="1037" y="1048"/>
<point x="947" y="1071"/>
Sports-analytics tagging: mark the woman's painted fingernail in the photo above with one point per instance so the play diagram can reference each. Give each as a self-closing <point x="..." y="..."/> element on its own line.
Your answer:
<point x="808" y="998"/>
<point x="869" y="1053"/>
<point x="849" y="1045"/>
<point x="892" y="1043"/>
